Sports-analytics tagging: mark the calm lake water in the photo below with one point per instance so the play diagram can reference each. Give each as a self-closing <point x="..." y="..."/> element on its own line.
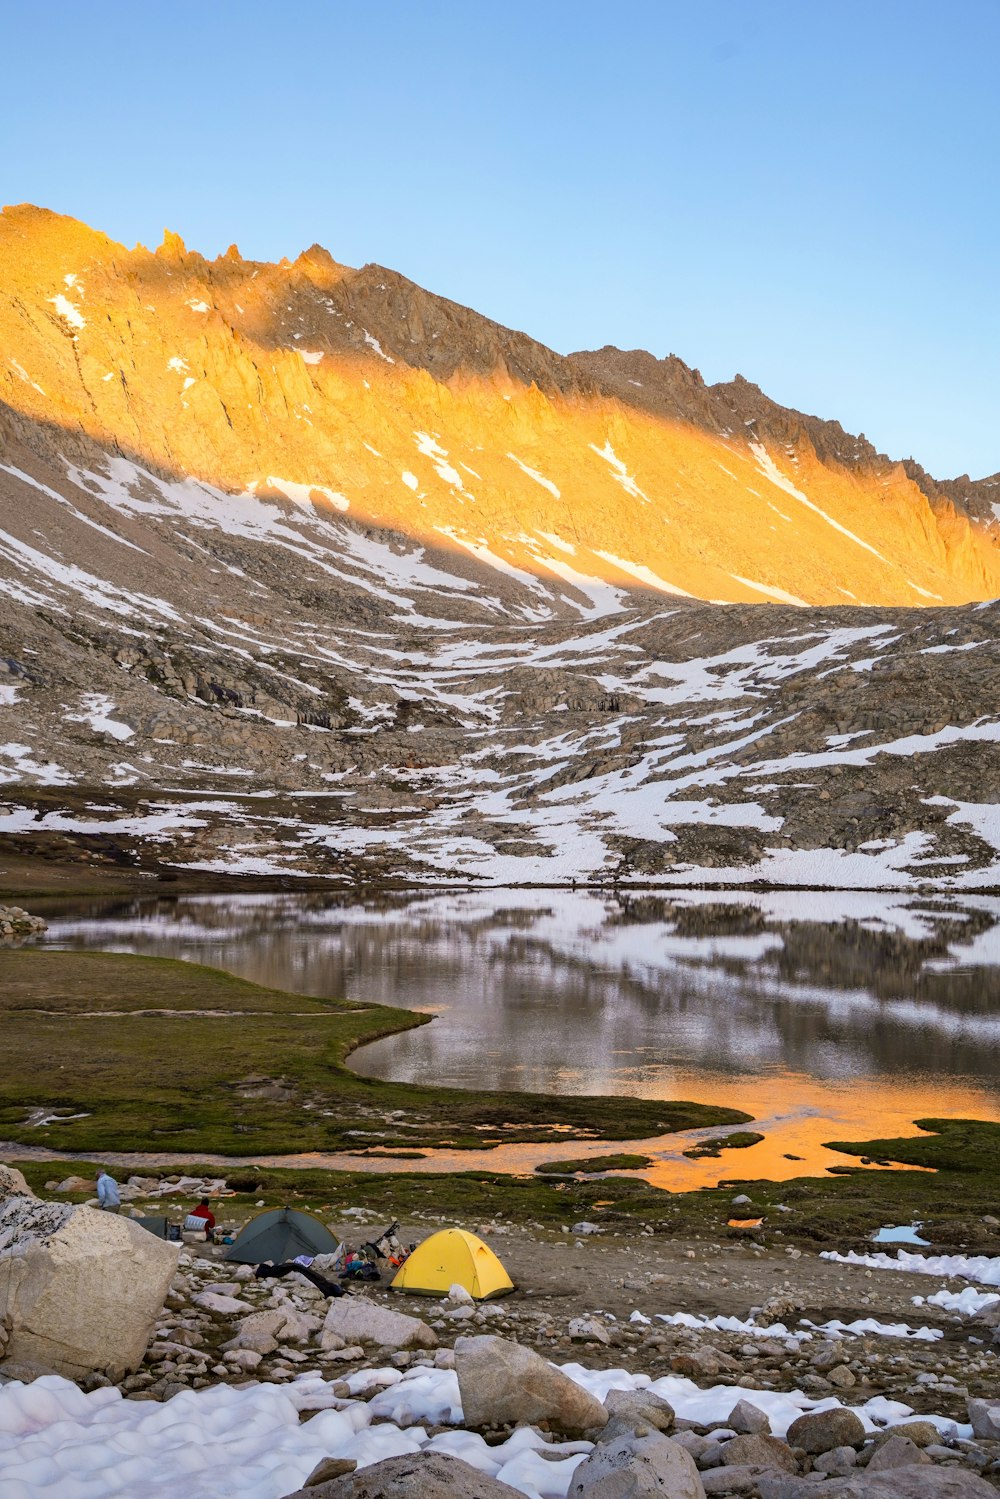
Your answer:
<point x="824" y="1015"/>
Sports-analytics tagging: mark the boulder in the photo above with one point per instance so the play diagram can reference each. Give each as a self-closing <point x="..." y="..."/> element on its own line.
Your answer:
<point x="503" y="1382"/>
<point x="328" y="1468"/>
<point x="921" y="1433"/>
<point x="837" y="1463"/>
<point x="757" y="1450"/>
<point x="634" y="1467"/>
<point x="356" y="1320"/>
<point x="896" y="1452"/>
<point x="640" y="1406"/>
<point x="821" y="1431"/>
<point x="746" y="1419"/>
<point x="13" y="1184"/>
<point x="985" y="1418"/>
<point x="258" y="1332"/>
<point x="702" y="1362"/>
<point x="79" y="1290"/>
<point x="588" y="1330"/>
<point x="420" y="1475"/>
<point x="224" y="1306"/>
<point x="729" y="1481"/>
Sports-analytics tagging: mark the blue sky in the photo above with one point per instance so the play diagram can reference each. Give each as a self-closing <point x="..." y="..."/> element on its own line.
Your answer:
<point x="806" y="193"/>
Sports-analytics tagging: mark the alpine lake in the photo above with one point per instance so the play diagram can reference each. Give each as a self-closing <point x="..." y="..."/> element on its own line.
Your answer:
<point x="824" y="1016"/>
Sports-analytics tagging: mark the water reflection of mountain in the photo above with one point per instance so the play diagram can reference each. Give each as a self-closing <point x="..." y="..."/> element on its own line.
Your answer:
<point x="568" y="991"/>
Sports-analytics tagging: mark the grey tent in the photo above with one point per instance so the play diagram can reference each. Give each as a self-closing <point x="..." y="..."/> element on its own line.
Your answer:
<point x="155" y="1225"/>
<point x="280" y="1234"/>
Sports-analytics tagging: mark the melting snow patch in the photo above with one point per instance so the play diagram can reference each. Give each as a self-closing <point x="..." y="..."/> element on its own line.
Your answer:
<point x="373" y="343"/>
<point x="966" y="1303"/>
<point x="432" y="449"/>
<point x="197" y="306"/>
<point x="771" y="593"/>
<point x="620" y="473"/>
<point x="301" y="494"/>
<point x="771" y="471"/>
<point x="46" y="773"/>
<point x="725" y="1324"/>
<point x="533" y="473"/>
<point x="410" y="480"/>
<point x="9" y="693"/>
<point x="311" y="356"/>
<point x="66" y="310"/>
<point x="22" y="374"/>
<point x="868" y="1326"/>
<point x="97" y="711"/>
<point x="177" y="364"/>
<point x="978" y="1267"/>
<point x="643" y="575"/>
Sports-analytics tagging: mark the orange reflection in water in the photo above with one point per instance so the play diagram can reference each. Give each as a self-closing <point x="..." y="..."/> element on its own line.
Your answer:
<point x="796" y="1114"/>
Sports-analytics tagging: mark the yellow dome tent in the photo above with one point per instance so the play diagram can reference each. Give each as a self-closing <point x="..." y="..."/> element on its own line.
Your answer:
<point x="453" y="1256"/>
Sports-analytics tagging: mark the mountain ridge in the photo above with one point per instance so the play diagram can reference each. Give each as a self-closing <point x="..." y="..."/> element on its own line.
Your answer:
<point x="367" y="341"/>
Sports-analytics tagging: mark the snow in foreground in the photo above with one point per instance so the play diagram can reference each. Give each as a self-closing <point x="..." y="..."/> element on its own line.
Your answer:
<point x="222" y="1441"/>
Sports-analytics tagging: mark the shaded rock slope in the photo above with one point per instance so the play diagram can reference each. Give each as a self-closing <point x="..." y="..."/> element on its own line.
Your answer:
<point x="306" y="571"/>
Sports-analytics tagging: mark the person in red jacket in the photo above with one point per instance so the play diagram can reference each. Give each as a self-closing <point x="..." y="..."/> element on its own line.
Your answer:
<point x="204" y="1212"/>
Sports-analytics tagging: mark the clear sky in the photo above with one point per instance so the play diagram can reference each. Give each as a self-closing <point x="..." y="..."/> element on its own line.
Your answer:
<point x="804" y="191"/>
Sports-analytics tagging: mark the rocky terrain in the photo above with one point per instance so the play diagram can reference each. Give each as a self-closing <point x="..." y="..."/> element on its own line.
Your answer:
<point x="305" y="572"/>
<point x="697" y="1368"/>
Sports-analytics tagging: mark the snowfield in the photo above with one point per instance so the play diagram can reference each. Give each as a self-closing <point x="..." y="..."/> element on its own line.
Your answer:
<point x="251" y="1441"/>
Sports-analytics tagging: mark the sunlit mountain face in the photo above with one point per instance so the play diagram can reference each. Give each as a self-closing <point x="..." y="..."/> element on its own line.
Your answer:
<point x="307" y="571"/>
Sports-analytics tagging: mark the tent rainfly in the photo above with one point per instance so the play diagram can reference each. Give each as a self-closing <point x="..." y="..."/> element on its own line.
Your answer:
<point x="449" y="1257"/>
<point x="278" y="1235"/>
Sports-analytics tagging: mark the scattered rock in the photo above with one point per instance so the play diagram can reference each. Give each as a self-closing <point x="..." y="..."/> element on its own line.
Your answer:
<point x="422" y="1475"/>
<point x="588" y="1330"/>
<point x="640" y="1406"/>
<point x="225" y="1306"/>
<point x="634" y="1467"/>
<point x="746" y="1419"/>
<point x="821" y="1431"/>
<point x="356" y="1320"/>
<point x="328" y="1468"/>
<point x="758" y="1451"/>
<point x="837" y="1463"/>
<point x="919" y="1482"/>
<point x="896" y="1452"/>
<point x="985" y="1418"/>
<point x="921" y="1433"/>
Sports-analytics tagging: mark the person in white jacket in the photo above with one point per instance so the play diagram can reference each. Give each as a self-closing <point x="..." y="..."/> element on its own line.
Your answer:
<point x="107" y="1192"/>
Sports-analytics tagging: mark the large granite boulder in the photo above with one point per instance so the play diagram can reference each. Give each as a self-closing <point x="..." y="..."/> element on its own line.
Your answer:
<point x="651" y="1466"/>
<point x="356" y="1320"/>
<point x="502" y="1382"/>
<point x="420" y="1475"/>
<point x="80" y="1290"/>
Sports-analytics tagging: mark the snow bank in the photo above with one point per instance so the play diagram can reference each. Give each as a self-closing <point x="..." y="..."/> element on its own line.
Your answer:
<point x="55" y="1440"/>
<point x="978" y="1267"/>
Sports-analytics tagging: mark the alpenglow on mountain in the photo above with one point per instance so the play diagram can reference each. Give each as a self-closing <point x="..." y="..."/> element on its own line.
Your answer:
<point x="304" y="569"/>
